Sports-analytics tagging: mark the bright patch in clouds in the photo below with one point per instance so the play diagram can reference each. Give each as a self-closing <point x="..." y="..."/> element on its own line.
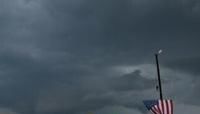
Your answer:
<point x="149" y="71"/>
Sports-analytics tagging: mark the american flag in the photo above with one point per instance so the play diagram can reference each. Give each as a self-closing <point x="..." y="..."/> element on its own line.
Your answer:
<point x="159" y="106"/>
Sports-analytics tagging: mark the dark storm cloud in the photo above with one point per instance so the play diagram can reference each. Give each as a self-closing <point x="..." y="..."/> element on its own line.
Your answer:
<point x="190" y="64"/>
<point x="121" y="28"/>
<point x="56" y="55"/>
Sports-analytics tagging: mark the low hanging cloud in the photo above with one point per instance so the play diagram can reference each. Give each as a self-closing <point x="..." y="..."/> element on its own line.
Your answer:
<point x="115" y="91"/>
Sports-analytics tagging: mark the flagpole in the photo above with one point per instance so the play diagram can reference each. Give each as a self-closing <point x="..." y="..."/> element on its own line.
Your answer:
<point x="159" y="80"/>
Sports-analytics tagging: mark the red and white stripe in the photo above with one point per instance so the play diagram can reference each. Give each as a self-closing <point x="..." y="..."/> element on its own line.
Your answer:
<point x="163" y="107"/>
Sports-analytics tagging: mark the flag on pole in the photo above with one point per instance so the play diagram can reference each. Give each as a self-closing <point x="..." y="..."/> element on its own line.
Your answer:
<point x="159" y="106"/>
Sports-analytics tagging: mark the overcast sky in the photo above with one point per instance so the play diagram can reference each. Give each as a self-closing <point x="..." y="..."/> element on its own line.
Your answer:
<point x="97" y="56"/>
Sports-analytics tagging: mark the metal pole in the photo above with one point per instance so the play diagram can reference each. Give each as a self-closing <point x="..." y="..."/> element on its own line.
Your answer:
<point x="159" y="80"/>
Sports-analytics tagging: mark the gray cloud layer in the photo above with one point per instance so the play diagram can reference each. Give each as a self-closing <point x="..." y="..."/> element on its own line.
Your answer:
<point x="58" y="56"/>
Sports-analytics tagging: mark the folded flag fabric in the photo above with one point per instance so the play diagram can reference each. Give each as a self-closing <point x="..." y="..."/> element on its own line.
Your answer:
<point x="159" y="106"/>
